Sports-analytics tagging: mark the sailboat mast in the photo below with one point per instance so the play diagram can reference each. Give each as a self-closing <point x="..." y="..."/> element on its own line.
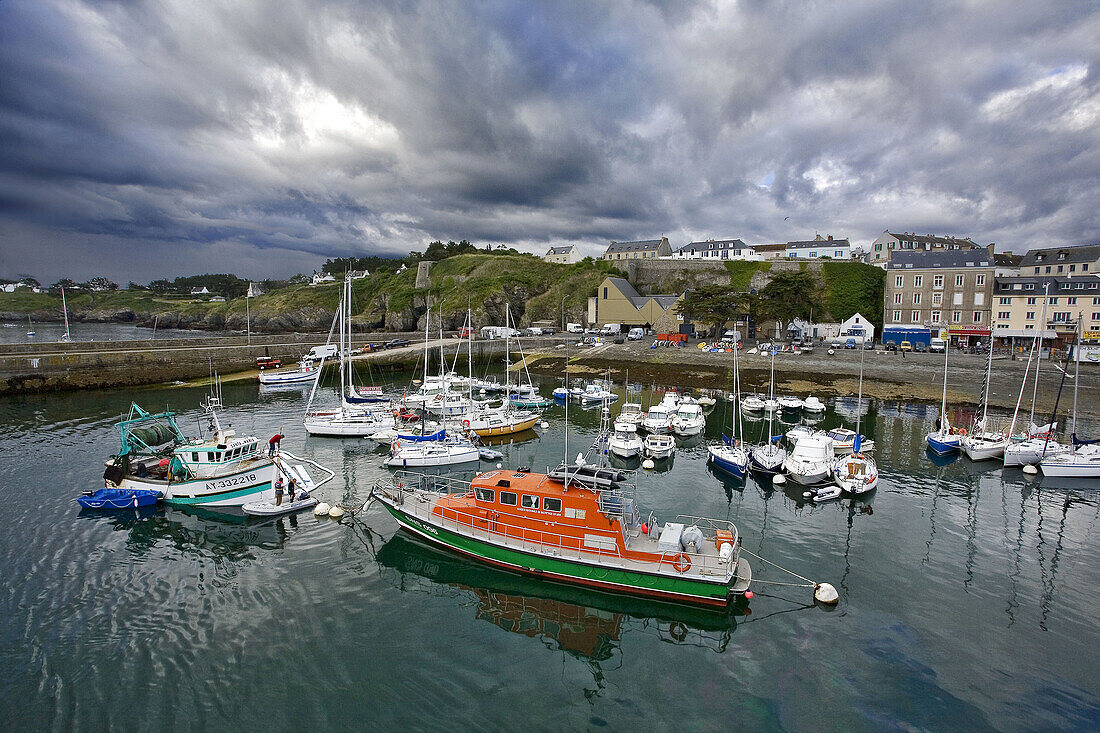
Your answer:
<point x="859" y="398"/>
<point x="771" y="396"/>
<point x="1039" y="363"/>
<point x="738" y="429"/>
<point x="988" y="373"/>
<point x="943" y="403"/>
<point x="343" y="349"/>
<point x="470" y="352"/>
<point x="65" y="312"/>
<point x="507" y="353"/>
<point x="1076" y="376"/>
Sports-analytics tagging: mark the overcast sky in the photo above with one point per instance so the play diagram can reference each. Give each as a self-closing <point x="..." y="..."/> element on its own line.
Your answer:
<point x="148" y="139"/>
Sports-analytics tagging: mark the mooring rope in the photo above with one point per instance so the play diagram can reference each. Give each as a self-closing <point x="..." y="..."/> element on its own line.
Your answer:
<point x="811" y="583"/>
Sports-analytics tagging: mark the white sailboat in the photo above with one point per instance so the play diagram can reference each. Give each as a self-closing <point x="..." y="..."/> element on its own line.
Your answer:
<point x="348" y="420"/>
<point x="944" y="439"/>
<point x="65" y="312"/>
<point x="768" y="458"/>
<point x="730" y="455"/>
<point x="982" y="444"/>
<point x="1083" y="462"/>
<point x="857" y="473"/>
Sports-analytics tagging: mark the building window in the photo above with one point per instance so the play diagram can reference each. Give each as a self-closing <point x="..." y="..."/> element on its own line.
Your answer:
<point x="935" y="316"/>
<point x="1031" y="301"/>
<point x="918" y="281"/>
<point x="838" y="253"/>
<point x="1060" y="317"/>
<point x="899" y="281"/>
<point x="1005" y="301"/>
<point x="960" y="280"/>
<point x="1059" y="268"/>
<point x="1028" y="327"/>
<point x="1073" y="268"/>
<point x="1036" y="270"/>
<point x="897" y="316"/>
<point x="957" y="298"/>
<point x="605" y="293"/>
<point x="1096" y="301"/>
<point x="915" y="316"/>
<point x="1085" y="267"/>
<point x="977" y="316"/>
<point x="1053" y="301"/>
<point x="956" y="316"/>
<point x="916" y="298"/>
<point x="937" y="298"/>
<point x="1030" y="315"/>
<point x="1048" y="269"/>
<point x="979" y="298"/>
<point x="1071" y="301"/>
<point x="937" y="281"/>
<point x="1004" y="315"/>
<point x="980" y="280"/>
<point x="897" y="298"/>
<point x="1096" y="316"/>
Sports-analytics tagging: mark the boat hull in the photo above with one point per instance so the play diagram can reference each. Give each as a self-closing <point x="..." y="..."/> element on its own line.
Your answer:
<point x="595" y="575"/>
<point x="735" y="463"/>
<point x="942" y="444"/>
<point x="978" y="448"/>
<point x="508" y="429"/>
<point x="288" y="377"/>
<point x="232" y="489"/>
<point x="1031" y="452"/>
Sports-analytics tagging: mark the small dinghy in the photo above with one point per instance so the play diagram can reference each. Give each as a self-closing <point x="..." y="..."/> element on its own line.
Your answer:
<point x="824" y="493"/>
<point x="270" y="509"/>
<point x="488" y="454"/>
<point x="119" y="498"/>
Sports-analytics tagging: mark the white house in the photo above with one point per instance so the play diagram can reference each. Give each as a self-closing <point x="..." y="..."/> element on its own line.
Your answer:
<point x="358" y="274"/>
<point x="803" y="329"/>
<point x="9" y="288"/>
<point x="819" y="248"/>
<point x="565" y="255"/>
<point x="200" y="291"/>
<point x="217" y="299"/>
<point x="402" y="268"/>
<point x="857" y="326"/>
<point x="322" y="278"/>
<point x="254" y="290"/>
<point x="723" y="249"/>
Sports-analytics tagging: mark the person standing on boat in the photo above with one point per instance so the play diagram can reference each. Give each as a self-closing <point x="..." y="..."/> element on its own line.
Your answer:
<point x="273" y="444"/>
<point x="292" y="488"/>
<point x="279" y="491"/>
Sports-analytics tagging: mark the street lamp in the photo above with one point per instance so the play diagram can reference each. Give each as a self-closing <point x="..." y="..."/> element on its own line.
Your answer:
<point x="563" y="314"/>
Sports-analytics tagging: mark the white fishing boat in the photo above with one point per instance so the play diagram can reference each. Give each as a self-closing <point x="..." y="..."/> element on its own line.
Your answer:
<point x="221" y="470"/>
<point x="844" y="440"/>
<point x="813" y="404"/>
<point x="625" y="441"/>
<point x="659" y="418"/>
<point x="797" y="433"/>
<point x="305" y="372"/>
<point x="856" y="473"/>
<point x="790" y="403"/>
<point x="631" y="413"/>
<point x="596" y="393"/>
<point x="689" y="419"/>
<point x="811" y="460"/>
<point x="420" y="454"/>
<point x="659" y="446"/>
<point x="752" y="403"/>
<point x="981" y="444"/>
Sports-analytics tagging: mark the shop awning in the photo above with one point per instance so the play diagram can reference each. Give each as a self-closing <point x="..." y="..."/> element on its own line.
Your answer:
<point x="1023" y="333"/>
<point x="968" y="331"/>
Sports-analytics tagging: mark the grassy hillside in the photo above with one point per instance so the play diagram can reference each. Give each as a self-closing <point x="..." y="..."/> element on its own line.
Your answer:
<point x="741" y="272"/>
<point x="852" y="287"/>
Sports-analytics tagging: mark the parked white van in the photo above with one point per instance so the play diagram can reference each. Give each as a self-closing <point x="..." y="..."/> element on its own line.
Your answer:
<point x="574" y="328"/>
<point x="937" y="345"/>
<point x="328" y="351"/>
<point x="636" y="334"/>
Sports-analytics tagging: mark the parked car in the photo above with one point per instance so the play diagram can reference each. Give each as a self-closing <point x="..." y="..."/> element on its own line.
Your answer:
<point x="868" y="344"/>
<point x="920" y="346"/>
<point x="268" y="362"/>
<point x="835" y="344"/>
<point x="891" y="345"/>
<point x="396" y="343"/>
<point x="905" y="346"/>
<point x="850" y="344"/>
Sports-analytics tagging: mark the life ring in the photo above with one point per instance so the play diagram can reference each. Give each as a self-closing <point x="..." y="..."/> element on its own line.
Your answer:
<point x="396" y="413"/>
<point x="466" y="424"/>
<point x="962" y="431"/>
<point x="681" y="562"/>
<point x="397" y="445"/>
<point x="677" y="631"/>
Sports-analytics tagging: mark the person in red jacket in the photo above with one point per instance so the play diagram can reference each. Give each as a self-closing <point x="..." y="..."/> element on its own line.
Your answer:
<point x="273" y="444"/>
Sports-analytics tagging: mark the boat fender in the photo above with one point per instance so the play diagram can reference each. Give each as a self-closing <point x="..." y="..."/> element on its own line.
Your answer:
<point x="962" y="431"/>
<point x="336" y="512"/>
<point x="645" y="528"/>
<point x="682" y="563"/>
<point x="725" y="552"/>
<point x="826" y="594"/>
<point x="648" y="463"/>
<point x="677" y="631"/>
<point x="1030" y="469"/>
<point x="321" y="509"/>
<point x="779" y="479"/>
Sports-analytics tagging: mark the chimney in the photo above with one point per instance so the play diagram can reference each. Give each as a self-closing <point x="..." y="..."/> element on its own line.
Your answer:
<point x="830" y="237"/>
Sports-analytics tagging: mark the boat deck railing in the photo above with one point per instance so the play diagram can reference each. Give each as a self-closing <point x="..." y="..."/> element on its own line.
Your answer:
<point x="416" y="494"/>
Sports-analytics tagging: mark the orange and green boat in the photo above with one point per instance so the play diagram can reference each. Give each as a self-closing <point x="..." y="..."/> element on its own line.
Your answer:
<point x="580" y="528"/>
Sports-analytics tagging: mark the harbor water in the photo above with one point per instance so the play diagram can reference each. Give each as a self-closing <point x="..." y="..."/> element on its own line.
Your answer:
<point x="966" y="597"/>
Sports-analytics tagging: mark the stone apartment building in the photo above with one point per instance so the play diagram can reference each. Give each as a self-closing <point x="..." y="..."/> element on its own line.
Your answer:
<point x="647" y="249"/>
<point x="1079" y="260"/>
<point x="883" y="248"/>
<point x="950" y="291"/>
<point x="1018" y="306"/>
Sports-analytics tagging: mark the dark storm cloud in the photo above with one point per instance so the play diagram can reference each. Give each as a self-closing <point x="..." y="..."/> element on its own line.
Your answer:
<point x="172" y="134"/>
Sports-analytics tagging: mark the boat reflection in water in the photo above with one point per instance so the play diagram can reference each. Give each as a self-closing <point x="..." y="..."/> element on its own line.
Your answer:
<point x="587" y="624"/>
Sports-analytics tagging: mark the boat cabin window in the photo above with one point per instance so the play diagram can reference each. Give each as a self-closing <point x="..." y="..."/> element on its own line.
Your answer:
<point x="551" y="505"/>
<point x="484" y="494"/>
<point x="530" y="502"/>
<point x="508" y="497"/>
<point x="195" y="457"/>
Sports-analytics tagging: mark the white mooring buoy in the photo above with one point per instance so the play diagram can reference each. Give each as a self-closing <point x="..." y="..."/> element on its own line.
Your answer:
<point x="825" y="593"/>
<point x="648" y="463"/>
<point x="1030" y="470"/>
<point x="498" y="465"/>
<point x="544" y="425"/>
<point x="321" y="509"/>
<point x="779" y="479"/>
<point x="336" y="512"/>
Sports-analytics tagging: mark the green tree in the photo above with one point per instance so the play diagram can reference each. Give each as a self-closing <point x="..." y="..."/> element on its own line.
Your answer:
<point x="789" y="295"/>
<point x="716" y="305"/>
